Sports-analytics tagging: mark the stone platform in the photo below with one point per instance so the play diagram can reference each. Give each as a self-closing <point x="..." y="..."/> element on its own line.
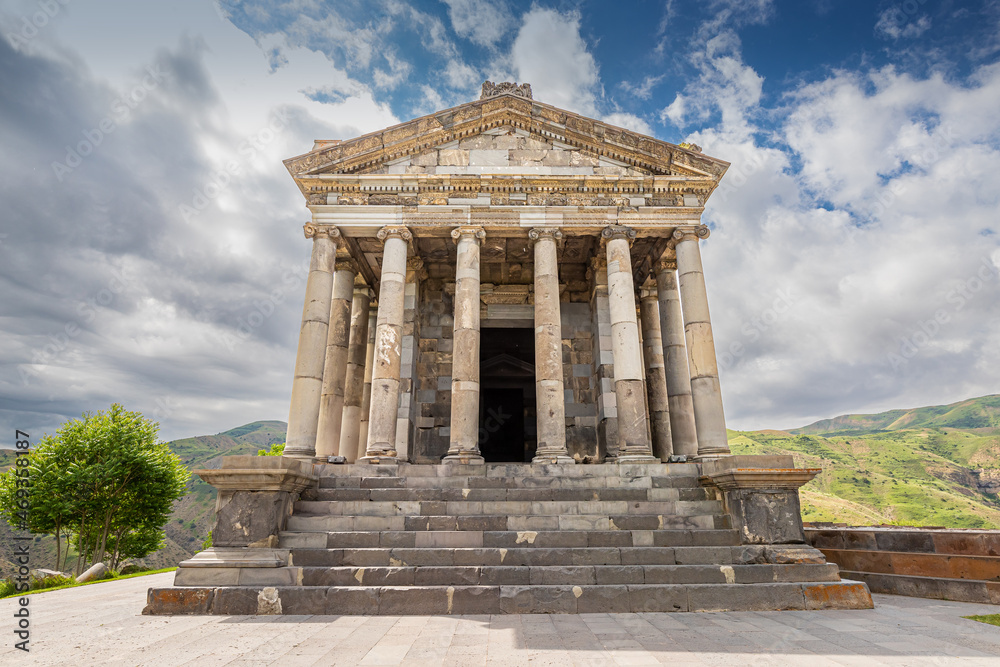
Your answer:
<point x="503" y="539"/>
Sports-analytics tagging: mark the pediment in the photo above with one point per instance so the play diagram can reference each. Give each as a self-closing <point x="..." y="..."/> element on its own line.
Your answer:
<point x="505" y="365"/>
<point x="505" y="134"/>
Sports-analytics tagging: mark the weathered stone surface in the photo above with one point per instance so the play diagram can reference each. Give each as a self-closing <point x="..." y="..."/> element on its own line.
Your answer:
<point x="841" y="595"/>
<point x="538" y="600"/>
<point x="246" y="518"/>
<point x="173" y="601"/>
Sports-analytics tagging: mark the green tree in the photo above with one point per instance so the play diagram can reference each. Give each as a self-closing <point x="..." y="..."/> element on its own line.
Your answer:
<point x="107" y="479"/>
<point x="277" y="449"/>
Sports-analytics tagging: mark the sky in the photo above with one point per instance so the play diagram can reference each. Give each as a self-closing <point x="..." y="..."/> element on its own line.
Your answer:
<point x="151" y="248"/>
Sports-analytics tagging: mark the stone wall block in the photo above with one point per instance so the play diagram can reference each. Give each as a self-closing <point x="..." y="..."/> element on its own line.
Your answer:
<point x="250" y="518"/>
<point x="453" y="157"/>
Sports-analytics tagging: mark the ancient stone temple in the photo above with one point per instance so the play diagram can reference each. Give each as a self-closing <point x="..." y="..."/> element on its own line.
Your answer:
<point x="506" y="396"/>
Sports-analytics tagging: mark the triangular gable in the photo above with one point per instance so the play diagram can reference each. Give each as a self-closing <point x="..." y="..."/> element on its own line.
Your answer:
<point x="540" y="122"/>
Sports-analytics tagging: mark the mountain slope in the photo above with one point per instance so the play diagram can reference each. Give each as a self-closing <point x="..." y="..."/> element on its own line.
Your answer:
<point x="916" y="476"/>
<point x="973" y="413"/>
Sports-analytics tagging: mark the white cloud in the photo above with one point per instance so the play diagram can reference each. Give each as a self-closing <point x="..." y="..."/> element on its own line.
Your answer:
<point x="483" y="22"/>
<point x="629" y="122"/>
<point x="551" y="55"/>
<point x="894" y="23"/>
<point x="643" y="90"/>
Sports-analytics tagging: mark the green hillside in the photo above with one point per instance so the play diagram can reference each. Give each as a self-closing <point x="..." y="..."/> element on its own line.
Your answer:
<point x="918" y="477"/>
<point x="974" y="413"/>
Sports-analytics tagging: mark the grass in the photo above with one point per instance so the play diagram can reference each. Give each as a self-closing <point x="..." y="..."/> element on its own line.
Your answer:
<point x="99" y="581"/>
<point x="992" y="619"/>
<point x="920" y="477"/>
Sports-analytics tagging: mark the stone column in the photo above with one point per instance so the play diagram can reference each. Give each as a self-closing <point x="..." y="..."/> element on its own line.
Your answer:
<point x="354" y="383"/>
<point x="706" y="395"/>
<point x="331" y="407"/>
<point x="604" y="360"/>
<point x="366" y="392"/>
<point x="550" y="399"/>
<point x="683" y="434"/>
<point x="656" y="382"/>
<point x="388" y="347"/>
<point x="633" y="441"/>
<point x="464" y="441"/>
<point x="307" y="385"/>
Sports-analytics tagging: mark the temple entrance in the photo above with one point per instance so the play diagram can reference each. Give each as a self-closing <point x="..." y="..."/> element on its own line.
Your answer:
<point x="507" y="395"/>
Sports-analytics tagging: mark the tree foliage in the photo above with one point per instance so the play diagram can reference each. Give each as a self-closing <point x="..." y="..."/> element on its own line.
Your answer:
<point x="104" y="479"/>
<point x="277" y="449"/>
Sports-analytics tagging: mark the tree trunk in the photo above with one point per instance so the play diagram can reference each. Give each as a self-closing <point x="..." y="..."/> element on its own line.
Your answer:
<point x="58" y="546"/>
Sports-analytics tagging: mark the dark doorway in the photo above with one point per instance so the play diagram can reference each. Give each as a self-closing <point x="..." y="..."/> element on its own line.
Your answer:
<point x="507" y="395"/>
<point x="501" y="424"/>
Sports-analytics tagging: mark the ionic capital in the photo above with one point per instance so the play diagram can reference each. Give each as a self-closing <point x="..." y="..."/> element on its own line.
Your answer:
<point x="539" y="233"/>
<point x="615" y="232"/>
<point x="477" y="233"/>
<point x="320" y="231"/>
<point x="415" y="269"/>
<point x="348" y="264"/>
<point x="691" y="233"/>
<point x="396" y="231"/>
<point x="665" y="264"/>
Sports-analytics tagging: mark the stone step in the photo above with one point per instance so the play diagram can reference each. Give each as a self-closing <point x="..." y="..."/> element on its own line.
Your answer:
<point x="515" y="539"/>
<point x="527" y="482"/>
<point x="334" y="523"/>
<point x="509" y="470"/>
<point x="505" y="575"/>
<point x="477" y="555"/>
<point x="561" y="599"/>
<point x="504" y="508"/>
<point x="498" y="495"/>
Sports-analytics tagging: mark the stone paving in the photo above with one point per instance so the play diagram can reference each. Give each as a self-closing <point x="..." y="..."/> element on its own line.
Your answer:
<point x="101" y="624"/>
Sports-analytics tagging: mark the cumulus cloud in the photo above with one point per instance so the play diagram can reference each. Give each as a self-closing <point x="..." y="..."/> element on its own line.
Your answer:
<point x="551" y="55"/>
<point x="865" y="222"/>
<point x="484" y="22"/>
<point x="151" y="242"/>
<point x="629" y="122"/>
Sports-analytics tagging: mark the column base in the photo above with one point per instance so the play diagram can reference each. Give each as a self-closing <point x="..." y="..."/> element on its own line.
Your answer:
<point x="470" y="458"/>
<point x="711" y="455"/>
<point x="378" y="459"/>
<point x="557" y="459"/>
<point x="301" y="454"/>
<point x="636" y="458"/>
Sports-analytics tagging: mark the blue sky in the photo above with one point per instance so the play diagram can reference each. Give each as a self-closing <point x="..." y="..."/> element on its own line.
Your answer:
<point x="852" y="265"/>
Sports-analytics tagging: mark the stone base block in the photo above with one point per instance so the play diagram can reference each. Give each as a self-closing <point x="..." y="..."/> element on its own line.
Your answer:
<point x="543" y="599"/>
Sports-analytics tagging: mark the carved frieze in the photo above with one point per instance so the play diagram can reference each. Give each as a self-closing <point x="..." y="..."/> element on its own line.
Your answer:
<point x="491" y="89"/>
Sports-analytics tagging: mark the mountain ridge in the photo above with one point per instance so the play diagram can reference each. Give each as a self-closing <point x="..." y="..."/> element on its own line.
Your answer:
<point x="982" y="412"/>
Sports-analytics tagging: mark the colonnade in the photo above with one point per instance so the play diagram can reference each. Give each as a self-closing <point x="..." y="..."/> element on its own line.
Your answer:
<point x="347" y="382"/>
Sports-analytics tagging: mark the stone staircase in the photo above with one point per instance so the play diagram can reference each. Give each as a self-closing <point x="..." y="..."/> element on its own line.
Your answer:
<point x="512" y="538"/>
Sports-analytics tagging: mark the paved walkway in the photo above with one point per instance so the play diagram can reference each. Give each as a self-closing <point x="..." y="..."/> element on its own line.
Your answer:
<point x="101" y="624"/>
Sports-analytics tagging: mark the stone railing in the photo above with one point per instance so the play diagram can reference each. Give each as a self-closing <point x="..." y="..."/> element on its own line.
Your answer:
<point x="939" y="563"/>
